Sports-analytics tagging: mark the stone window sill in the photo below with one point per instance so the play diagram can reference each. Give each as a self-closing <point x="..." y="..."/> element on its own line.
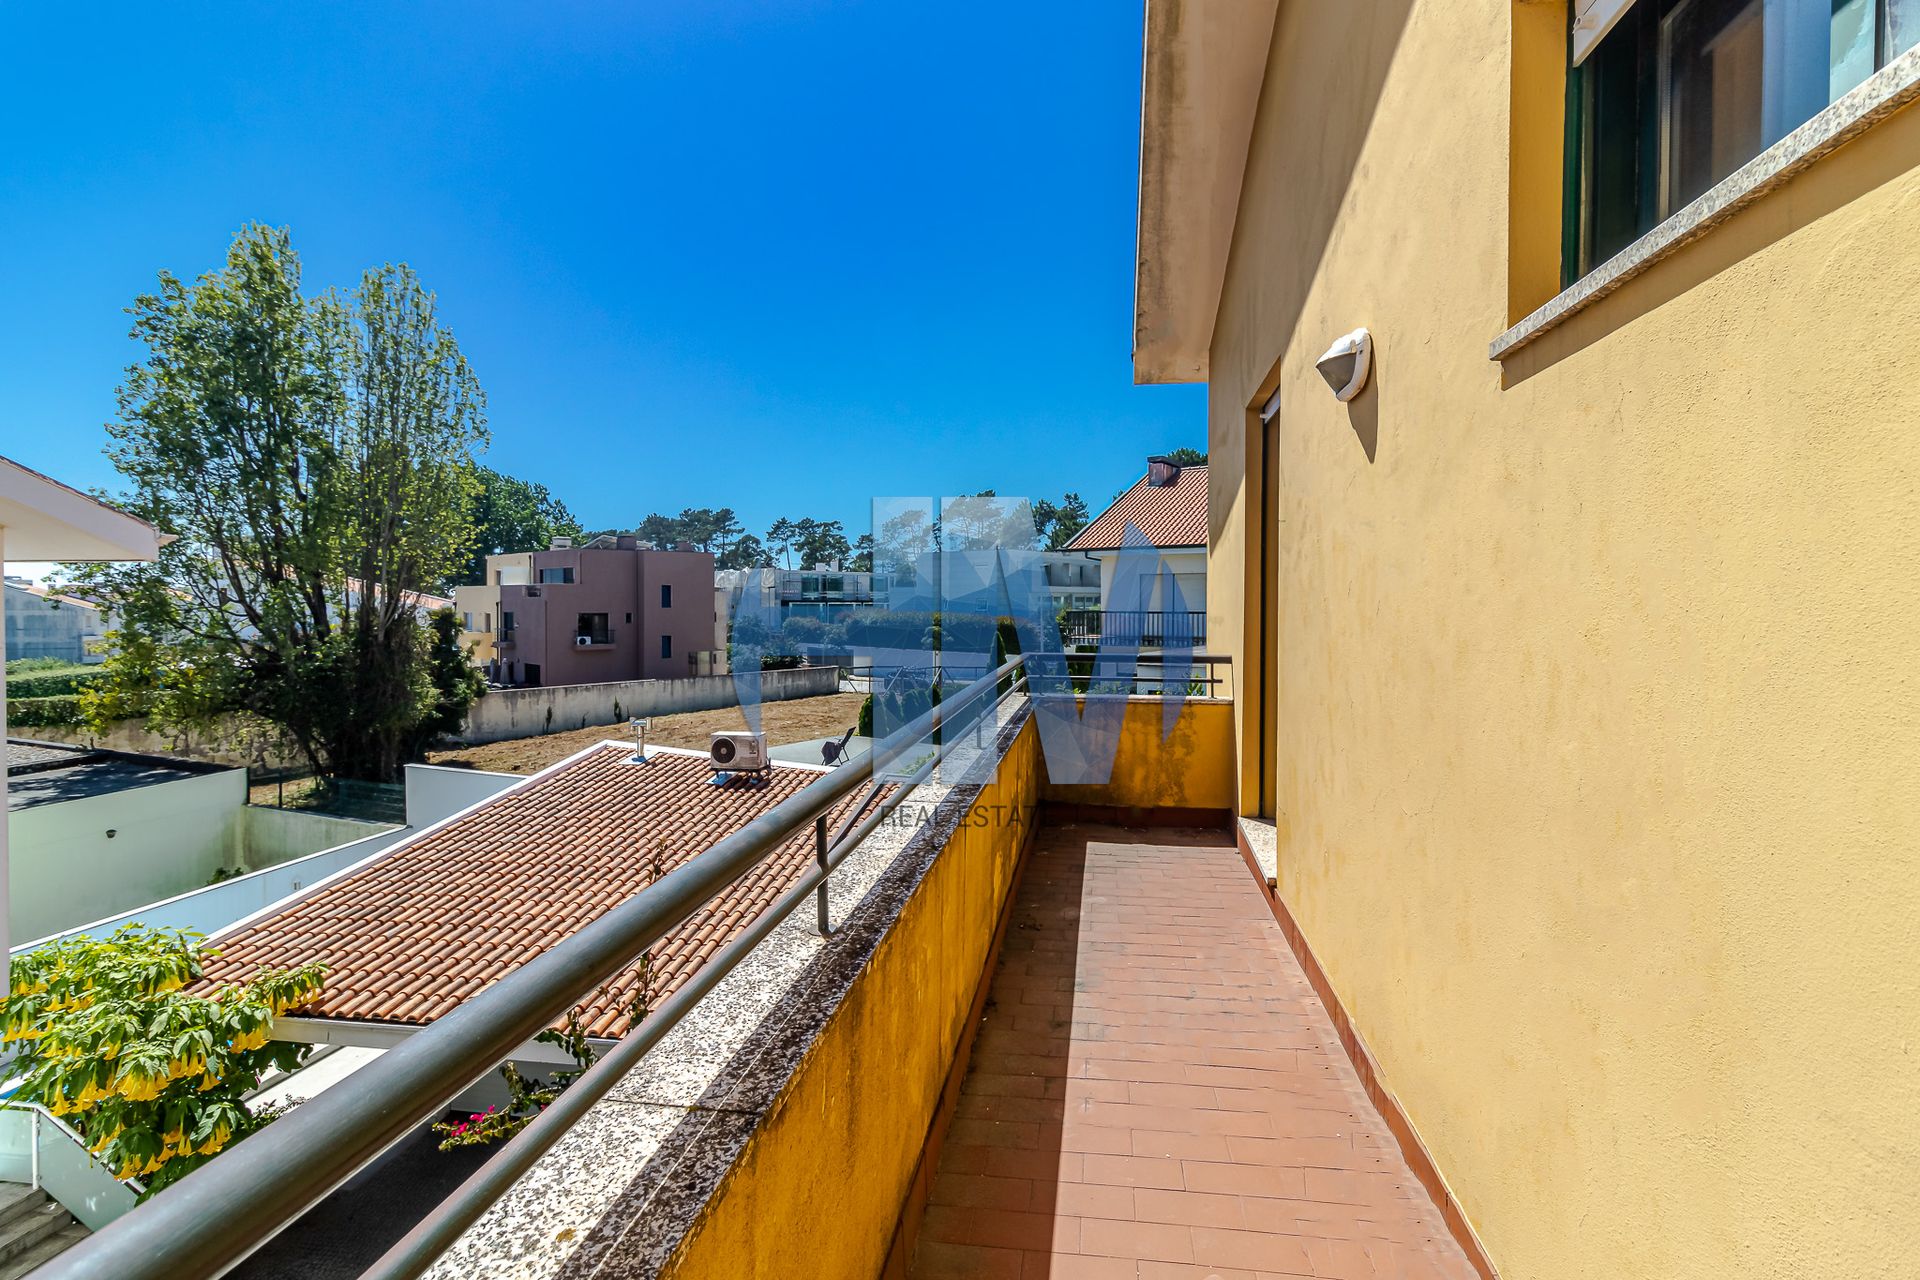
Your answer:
<point x="1880" y="95"/>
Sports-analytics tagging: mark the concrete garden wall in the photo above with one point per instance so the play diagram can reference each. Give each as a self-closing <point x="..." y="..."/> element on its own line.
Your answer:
<point x="435" y="791"/>
<point x="81" y="859"/>
<point x="504" y="714"/>
<point x="279" y="844"/>
<point x="269" y="836"/>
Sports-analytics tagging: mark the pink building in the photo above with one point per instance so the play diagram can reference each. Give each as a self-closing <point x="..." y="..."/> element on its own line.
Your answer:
<point x="608" y="610"/>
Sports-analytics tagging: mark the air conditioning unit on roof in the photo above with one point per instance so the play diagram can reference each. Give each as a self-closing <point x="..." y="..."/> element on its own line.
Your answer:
<point x="740" y="753"/>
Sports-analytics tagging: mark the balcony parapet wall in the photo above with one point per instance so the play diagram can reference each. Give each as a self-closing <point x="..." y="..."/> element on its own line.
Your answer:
<point x="1181" y="773"/>
<point x="778" y="1129"/>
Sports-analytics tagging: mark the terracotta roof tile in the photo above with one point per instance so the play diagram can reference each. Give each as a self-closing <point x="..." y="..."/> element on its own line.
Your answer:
<point x="439" y="918"/>
<point x="1173" y="515"/>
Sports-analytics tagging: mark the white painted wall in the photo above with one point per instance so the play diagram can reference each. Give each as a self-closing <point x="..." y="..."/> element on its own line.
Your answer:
<point x="167" y="838"/>
<point x="213" y="907"/>
<point x="271" y="836"/>
<point x="68" y="875"/>
<point x="524" y="713"/>
<point x="435" y="791"/>
<point x="1189" y="568"/>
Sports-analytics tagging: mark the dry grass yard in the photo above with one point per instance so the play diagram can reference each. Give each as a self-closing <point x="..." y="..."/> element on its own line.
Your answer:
<point x="782" y="722"/>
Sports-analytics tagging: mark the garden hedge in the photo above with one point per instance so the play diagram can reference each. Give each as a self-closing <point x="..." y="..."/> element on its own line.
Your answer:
<point x="52" y="685"/>
<point x="43" y="713"/>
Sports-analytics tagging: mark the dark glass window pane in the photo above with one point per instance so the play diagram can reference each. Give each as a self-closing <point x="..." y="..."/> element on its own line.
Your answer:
<point x="1682" y="93"/>
<point x="1712" y="72"/>
<point x="1612" y="145"/>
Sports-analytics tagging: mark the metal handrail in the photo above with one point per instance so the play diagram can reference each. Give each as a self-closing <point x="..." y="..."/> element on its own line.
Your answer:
<point x="206" y="1224"/>
<point x="434" y="1235"/>
<point x="1145" y="673"/>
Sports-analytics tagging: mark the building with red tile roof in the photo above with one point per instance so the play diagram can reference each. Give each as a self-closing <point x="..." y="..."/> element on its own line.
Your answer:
<point x="1168" y="505"/>
<point x="1162" y="604"/>
<point x="416" y="930"/>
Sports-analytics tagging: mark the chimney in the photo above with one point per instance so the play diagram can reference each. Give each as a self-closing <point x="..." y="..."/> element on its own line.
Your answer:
<point x="685" y="546"/>
<point x="560" y="544"/>
<point x="626" y="542"/>
<point x="1161" y="473"/>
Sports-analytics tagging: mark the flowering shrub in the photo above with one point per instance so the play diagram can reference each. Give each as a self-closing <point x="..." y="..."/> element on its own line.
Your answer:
<point x="154" y="1078"/>
<point x="525" y="1098"/>
<point x="528" y="1098"/>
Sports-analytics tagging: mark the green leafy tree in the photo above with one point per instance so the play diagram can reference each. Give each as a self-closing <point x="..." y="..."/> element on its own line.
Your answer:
<point x="725" y="530"/>
<point x="820" y="542"/>
<point x="1057" y="523"/>
<point x="711" y="529"/>
<point x="661" y="531"/>
<point x="981" y="521"/>
<point x="456" y="683"/>
<point x="1186" y="456"/>
<point x="152" y="1076"/>
<point x="314" y="458"/>
<point x="861" y="561"/>
<point x="744" y="552"/>
<point x="782" y="535"/>
<point x="510" y="514"/>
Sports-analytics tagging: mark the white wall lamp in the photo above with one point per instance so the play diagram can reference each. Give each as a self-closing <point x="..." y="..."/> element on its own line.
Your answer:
<point x="1347" y="364"/>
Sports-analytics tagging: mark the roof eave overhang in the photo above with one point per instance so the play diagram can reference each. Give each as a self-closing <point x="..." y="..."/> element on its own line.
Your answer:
<point x="1202" y="69"/>
<point x="391" y="1035"/>
<point x="42" y="519"/>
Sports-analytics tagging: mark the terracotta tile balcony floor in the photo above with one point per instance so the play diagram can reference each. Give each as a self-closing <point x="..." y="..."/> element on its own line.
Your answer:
<point x="1157" y="1091"/>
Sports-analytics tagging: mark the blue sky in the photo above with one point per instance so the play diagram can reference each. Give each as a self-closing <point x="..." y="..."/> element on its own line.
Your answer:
<point x="779" y="256"/>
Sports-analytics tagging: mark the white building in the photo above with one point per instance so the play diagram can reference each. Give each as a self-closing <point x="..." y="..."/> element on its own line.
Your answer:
<point x="42" y="519"/>
<point x="1164" y="601"/>
<point x="43" y="623"/>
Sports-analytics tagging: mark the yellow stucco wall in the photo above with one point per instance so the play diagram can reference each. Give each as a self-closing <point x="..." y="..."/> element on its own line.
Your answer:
<point x="1598" y="762"/>
<point x="820" y="1185"/>
<point x="1187" y="767"/>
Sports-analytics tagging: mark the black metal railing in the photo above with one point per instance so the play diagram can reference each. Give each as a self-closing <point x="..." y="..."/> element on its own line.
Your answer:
<point x="1147" y="674"/>
<point x="1197" y="675"/>
<point x="208" y="1223"/>
<point x="1149" y="628"/>
<point x="337" y="797"/>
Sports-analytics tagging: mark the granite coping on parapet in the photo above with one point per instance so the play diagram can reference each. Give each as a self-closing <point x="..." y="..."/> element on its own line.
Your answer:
<point x="1262" y="839"/>
<point x="617" y="1193"/>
